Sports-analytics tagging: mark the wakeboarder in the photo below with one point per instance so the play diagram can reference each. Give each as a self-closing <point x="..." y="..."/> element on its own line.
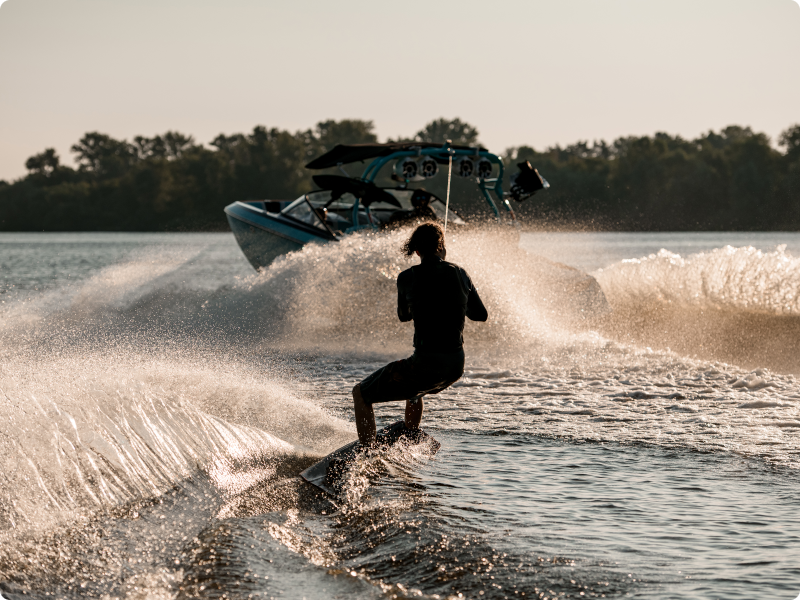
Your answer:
<point x="437" y="295"/>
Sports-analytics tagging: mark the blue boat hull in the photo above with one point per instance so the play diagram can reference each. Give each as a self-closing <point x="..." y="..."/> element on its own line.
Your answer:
<point x="264" y="236"/>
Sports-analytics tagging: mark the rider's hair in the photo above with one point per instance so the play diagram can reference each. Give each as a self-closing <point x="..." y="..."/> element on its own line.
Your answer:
<point x="427" y="239"/>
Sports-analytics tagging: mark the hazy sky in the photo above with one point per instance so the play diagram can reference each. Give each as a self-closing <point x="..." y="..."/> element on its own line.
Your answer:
<point x="535" y="72"/>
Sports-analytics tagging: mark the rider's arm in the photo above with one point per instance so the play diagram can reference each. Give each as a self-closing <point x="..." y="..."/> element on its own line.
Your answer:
<point x="403" y="309"/>
<point x="476" y="311"/>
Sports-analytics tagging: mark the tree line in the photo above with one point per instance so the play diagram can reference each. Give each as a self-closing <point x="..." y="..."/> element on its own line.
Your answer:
<point x="733" y="179"/>
<point x="728" y="180"/>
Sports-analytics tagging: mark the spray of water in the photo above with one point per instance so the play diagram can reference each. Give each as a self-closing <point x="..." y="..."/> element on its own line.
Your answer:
<point x="153" y="370"/>
<point x="740" y="305"/>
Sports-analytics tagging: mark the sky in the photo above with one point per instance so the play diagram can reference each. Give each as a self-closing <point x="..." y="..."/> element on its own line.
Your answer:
<point x="532" y="72"/>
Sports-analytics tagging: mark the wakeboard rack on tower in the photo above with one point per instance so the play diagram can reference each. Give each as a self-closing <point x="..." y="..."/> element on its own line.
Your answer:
<point x="418" y="161"/>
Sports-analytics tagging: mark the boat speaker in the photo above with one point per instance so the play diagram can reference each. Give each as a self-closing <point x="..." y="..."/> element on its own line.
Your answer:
<point x="484" y="168"/>
<point x="428" y="167"/>
<point x="465" y="167"/>
<point x="526" y="182"/>
<point x="408" y="169"/>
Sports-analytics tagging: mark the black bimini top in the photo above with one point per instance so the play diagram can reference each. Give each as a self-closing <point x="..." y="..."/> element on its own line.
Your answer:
<point x="342" y="154"/>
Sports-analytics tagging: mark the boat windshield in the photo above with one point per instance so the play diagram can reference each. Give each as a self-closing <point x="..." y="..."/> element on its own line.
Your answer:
<point x="317" y="210"/>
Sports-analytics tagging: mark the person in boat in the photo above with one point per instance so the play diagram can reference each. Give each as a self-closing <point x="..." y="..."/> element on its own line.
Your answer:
<point x="421" y="211"/>
<point x="437" y="295"/>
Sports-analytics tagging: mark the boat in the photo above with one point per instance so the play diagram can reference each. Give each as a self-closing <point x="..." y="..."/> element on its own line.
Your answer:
<point x="343" y="205"/>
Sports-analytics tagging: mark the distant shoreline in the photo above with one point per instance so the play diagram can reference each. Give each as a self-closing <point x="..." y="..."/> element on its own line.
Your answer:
<point x="731" y="180"/>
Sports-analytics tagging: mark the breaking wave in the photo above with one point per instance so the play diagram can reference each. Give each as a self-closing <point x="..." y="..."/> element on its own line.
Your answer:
<point x="740" y="279"/>
<point x="740" y="305"/>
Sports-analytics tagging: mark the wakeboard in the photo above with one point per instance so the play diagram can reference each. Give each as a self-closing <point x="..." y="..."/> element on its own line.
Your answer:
<point x="327" y="473"/>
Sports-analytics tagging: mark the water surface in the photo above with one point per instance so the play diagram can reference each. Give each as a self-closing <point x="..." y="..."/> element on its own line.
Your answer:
<point x="158" y="398"/>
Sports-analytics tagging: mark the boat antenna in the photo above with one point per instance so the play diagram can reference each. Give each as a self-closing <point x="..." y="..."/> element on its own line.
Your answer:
<point x="449" y="174"/>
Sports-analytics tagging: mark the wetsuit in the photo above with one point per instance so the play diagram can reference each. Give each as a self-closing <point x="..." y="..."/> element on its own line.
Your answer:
<point x="437" y="295"/>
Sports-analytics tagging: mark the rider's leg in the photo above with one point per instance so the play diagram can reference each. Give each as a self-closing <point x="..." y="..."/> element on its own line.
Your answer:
<point x="413" y="413"/>
<point x="365" y="418"/>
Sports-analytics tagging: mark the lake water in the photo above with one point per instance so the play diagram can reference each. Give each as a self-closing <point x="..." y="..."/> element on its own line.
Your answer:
<point x="158" y="399"/>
